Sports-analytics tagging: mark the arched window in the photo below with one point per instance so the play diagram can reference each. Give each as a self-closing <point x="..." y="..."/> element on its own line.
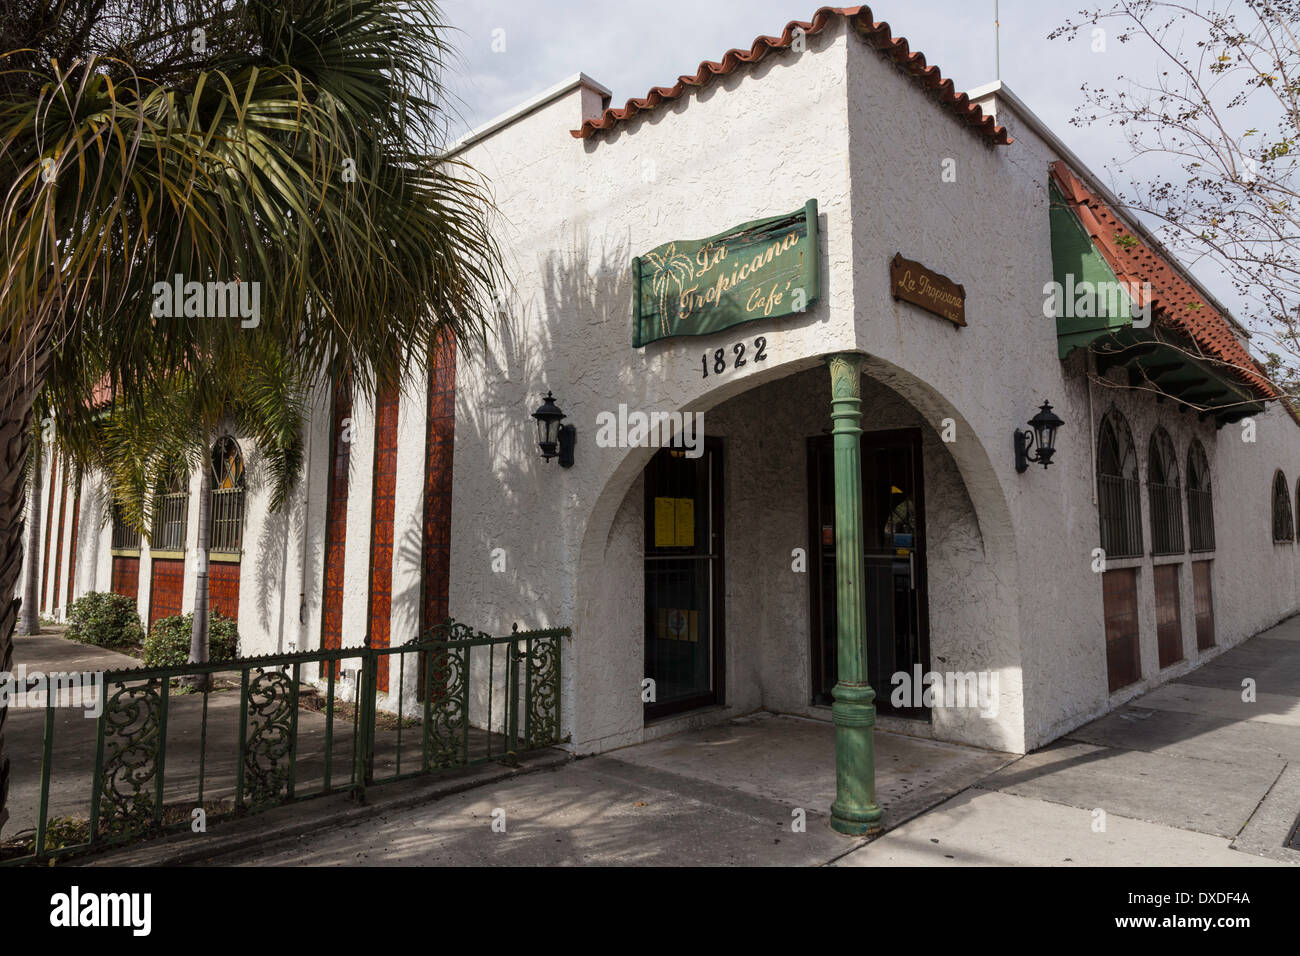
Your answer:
<point x="227" y="497"/>
<point x="1200" y="504"/>
<point x="171" y="511"/>
<point x="1119" y="503"/>
<point x="1283" y="529"/>
<point x="1164" y="495"/>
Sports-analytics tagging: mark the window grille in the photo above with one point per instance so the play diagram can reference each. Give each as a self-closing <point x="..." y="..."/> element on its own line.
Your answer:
<point x="171" y="513"/>
<point x="227" y="497"/>
<point x="125" y="537"/>
<point x="1165" y="495"/>
<point x="1283" y="529"/>
<point x="1200" y="502"/>
<point x="1119" y="503"/>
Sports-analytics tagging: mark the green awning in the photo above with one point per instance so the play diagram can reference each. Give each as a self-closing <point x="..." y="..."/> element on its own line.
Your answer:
<point x="1094" y="311"/>
<point x="1077" y="266"/>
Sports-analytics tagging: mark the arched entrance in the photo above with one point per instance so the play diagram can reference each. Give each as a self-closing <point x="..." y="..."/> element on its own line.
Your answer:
<point x="953" y="610"/>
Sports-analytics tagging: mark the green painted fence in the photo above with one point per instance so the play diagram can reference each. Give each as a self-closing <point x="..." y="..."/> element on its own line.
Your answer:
<point x="305" y="725"/>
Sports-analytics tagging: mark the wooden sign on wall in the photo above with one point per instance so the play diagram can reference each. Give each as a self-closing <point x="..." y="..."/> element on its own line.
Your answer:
<point x="937" y="294"/>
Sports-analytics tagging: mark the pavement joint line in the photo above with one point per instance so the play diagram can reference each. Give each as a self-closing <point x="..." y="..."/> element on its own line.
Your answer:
<point x="1123" y="816"/>
<point x="856" y="843"/>
<point x="873" y="837"/>
<point x="640" y="771"/>
<point x="1138" y="750"/>
<point x="1262" y="798"/>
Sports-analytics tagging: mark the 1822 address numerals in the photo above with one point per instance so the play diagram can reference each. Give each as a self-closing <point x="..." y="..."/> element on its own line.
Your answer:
<point x="719" y="357"/>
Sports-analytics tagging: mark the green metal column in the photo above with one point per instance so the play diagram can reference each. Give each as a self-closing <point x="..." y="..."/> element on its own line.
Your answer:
<point x="854" y="811"/>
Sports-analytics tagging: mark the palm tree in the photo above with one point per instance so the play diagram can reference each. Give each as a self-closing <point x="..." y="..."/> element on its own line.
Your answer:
<point x="256" y="391"/>
<point x="294" y="144"/>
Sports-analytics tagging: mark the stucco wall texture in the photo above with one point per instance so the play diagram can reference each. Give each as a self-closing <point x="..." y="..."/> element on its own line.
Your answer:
<point x="1011" y="588"/>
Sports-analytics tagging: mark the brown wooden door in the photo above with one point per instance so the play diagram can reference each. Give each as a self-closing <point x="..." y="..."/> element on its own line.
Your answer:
<point x="166" y="588"/>
<point x="1169" y="619"/>
<point x="1119" y="600"/>
<point x="1203" y="596"/>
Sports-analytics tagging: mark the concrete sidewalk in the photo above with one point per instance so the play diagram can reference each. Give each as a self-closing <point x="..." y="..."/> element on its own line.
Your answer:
<point x="74" y="734"/>
<point x="729" y="795"/>
<point x="1187" y="774"/>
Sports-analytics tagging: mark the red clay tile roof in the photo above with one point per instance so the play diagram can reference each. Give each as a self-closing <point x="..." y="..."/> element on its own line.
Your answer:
<point x="878" y="34"/>
<point x="1175" y="303"/>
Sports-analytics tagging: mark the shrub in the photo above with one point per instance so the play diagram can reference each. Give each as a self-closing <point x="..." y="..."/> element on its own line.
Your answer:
<point x="105" y="620"/>
<point x="168" y="641"/>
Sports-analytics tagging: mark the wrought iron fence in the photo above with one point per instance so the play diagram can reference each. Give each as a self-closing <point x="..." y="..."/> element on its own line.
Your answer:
<point x="1120" y="507"/>
<point x="304" y="725"/>
<point x="227" y="520"/>
<point x="1166" y="518"/>
<point x="169" y="523"/>
<point x="1200" y="518"/>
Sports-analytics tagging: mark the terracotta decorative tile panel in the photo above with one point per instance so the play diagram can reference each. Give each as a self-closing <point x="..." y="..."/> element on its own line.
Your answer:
<point x="167" y="588"/>
<point x="383" y="502"/>
<point x="223" y="588"/>
<point x="336" y="520"/>
<point x="71" y="593"/>
<point x="126" y="576"/>
<point x="440" y="443"/>
<point x="58" y="541"/>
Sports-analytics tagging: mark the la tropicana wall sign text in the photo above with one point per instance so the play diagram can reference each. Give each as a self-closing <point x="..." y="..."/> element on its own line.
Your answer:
<point x="759" y="270"/>
<point x="937" y="294"/>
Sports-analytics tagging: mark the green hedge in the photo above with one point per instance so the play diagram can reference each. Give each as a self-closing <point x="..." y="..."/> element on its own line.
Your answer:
<point x="168" y="642"/>
<point x="105" y="620"/>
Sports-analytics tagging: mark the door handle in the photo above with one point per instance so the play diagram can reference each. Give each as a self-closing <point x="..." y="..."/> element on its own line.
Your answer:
<point x="911" y="569"/>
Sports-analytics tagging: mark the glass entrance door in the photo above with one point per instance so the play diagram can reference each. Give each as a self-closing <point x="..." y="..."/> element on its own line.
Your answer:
<point x="684" y="580"/>
<point x="893" y="534"/>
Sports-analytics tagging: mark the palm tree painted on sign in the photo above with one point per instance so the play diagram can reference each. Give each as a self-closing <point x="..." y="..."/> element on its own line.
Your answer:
<point x="671" y="268"/>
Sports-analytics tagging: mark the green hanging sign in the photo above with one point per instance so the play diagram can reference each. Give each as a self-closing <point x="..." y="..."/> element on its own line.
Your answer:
<point x="760" y="270"/>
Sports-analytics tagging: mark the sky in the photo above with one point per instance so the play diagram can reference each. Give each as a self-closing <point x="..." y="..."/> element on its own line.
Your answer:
<point x="630" y="47"/>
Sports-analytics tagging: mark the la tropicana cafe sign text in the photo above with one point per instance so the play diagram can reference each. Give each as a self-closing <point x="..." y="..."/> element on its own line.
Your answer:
<point x="761" y="269"/>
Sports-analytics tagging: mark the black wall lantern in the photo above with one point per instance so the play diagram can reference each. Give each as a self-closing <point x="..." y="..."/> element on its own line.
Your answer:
<point x="552" y="437"/>
<point x="1042" y="438"/>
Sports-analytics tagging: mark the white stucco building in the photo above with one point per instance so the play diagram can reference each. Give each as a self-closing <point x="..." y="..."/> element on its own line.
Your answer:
<point x="714" y="576"/>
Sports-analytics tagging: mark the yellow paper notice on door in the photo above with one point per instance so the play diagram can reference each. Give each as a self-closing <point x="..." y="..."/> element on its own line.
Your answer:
<point x="675" y="624"/>
<point x="674" y="522"/>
